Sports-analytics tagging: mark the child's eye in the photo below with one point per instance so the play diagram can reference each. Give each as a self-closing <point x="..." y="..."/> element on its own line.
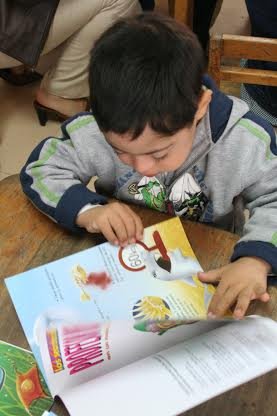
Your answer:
<point x="160" y="157"/>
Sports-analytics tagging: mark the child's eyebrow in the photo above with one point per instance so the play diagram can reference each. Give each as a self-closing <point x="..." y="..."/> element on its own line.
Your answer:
<point x="146" y="153"/>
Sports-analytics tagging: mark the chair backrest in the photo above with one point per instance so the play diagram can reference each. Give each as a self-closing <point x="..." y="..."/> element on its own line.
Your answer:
<point x="248" y="47"/>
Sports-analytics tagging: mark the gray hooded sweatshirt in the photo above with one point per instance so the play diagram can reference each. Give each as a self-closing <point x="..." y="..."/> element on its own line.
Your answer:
<point x="233" y="163"/>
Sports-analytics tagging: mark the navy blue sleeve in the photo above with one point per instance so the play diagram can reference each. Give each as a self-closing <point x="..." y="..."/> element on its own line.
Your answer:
<point x="261" y="249"/>
<point x="72" y="201"/>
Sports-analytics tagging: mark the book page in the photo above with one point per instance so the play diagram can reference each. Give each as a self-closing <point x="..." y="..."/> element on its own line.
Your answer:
<point x="83" y="351"/>
<point x="23" y="390"/>
<point x="150" y="285"/>
<point x="183" y="376"/>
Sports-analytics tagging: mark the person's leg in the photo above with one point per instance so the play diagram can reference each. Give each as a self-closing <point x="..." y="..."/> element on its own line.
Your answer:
<point x="262" y="99"/>
<point x="8" y="62"/>
<point x="15" y="72"/>
<point x="66" y="83"/>
<point x="147" y="5"/>
<point x="202" y="17"/>
<point x="69" y="18"/>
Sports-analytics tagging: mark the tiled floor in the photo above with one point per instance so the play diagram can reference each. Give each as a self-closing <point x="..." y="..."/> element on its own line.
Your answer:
<point x="19" y="128"/>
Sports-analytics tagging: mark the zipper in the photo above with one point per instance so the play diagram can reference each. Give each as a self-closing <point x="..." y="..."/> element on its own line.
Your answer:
<point x="169" y="186"/>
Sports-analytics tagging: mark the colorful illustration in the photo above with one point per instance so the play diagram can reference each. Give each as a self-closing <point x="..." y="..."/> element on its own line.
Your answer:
<point x="98" y="279"/>
<point x="2" y="377"/>
<point x="151" y="191"/>
<point x="132" y="257"/>
<point x="151" y="307"/>
<point x="160" y="327"/>
<point x="165" y="264"/>
<point x="175" y="267"/>
<point x="187" y="198"/>
<point x="22" y="388"/>
<point x="69" y="345"/>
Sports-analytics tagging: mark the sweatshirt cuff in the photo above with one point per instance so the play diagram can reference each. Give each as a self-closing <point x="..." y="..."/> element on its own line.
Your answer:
<point x="75" y="198"/>
<point x="87" y="207"/>
<point x="265" y="251"/>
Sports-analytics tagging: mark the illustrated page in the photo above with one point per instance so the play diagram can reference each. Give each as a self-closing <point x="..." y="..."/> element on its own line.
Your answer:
<point x="86" y="303"/>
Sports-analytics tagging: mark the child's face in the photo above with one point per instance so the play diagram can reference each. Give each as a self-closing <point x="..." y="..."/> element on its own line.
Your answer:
<point x="151" y="153"/>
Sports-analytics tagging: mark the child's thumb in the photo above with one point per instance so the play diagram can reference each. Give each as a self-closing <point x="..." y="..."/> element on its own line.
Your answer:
<point x="211" y="276"/>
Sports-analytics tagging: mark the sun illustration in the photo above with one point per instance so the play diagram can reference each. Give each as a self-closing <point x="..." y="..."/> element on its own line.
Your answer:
<point x="151" y="307"/>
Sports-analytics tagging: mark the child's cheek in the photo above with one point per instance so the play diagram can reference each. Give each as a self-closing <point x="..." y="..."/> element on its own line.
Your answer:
<point x="172" y="163"/>
<point x="125" y="159"/>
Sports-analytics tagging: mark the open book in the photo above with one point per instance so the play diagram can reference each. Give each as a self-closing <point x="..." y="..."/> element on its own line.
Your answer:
<point x="111" y="327"/>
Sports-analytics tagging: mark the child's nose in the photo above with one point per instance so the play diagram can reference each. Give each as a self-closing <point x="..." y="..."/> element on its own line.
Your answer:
<point x="144" y="165"/>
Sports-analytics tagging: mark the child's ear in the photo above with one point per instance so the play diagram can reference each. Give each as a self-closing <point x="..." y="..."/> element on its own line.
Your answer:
<point x="203" y="104"/>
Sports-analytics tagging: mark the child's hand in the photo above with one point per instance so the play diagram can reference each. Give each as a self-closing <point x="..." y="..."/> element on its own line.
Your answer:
<point x="239" y="283"/>
<point x="116" y="221"/>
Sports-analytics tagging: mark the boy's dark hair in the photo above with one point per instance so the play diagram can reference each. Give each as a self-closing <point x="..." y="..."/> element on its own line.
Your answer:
<point x="146" y="70"/>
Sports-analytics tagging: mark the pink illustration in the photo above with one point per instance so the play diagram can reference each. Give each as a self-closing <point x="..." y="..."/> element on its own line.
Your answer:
<point x="99" y="279"/>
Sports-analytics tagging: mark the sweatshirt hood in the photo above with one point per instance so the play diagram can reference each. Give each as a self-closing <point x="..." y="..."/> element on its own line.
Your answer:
<point x="224" y="112"/>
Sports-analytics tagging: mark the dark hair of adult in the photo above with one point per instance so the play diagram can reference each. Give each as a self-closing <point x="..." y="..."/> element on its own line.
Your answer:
<point x="146" y="70"/>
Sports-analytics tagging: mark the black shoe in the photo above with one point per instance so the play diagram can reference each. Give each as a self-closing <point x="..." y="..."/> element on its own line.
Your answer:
<point x="46" y="113"/>
<point x="27" y="77"/>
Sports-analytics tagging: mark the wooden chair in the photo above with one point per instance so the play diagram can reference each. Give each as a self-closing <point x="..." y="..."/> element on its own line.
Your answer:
<point x="181" y="10"/>
<point x="248" y="47"/>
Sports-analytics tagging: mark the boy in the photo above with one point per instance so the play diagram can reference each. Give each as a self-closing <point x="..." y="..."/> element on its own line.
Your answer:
<point x="163" y="136"/>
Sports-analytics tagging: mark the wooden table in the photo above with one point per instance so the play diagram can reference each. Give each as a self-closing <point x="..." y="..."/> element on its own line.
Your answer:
<point x="29" y="239"/>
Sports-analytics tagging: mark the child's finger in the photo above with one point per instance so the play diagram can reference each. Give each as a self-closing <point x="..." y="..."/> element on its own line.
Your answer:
<point x="243" y="302"/>
<point x="223" y="298"/>
<point x="93" y="227"/>
<point x="130" y="226"/>
<point x="139" y="227"/>
<point x="119" y="227"/>
<point x="211" y="276"/>
<point x="138" y="224"/>
<point x="107" y="230"/>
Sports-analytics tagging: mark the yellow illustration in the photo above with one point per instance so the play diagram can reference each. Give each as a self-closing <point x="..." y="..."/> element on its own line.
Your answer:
<point x="177" y="268"/>
<point x="80" y="279"/>
<point x="151" y="307"/>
